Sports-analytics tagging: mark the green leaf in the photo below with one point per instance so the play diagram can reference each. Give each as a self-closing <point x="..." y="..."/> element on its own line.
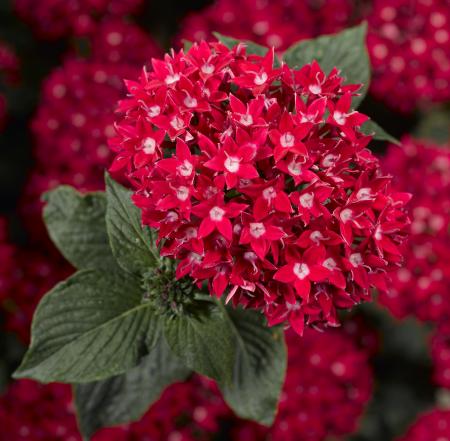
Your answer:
<point x="434" y="125"/>
<point x="252" y="48"/>
<point x="88" y="328"/>
<point x="125" y="398"/>
<point x="372" y="128"/>
<point x="204" y="341"/>
<point x="76" y="224"/>
<point x="345" y="50"/>
<point x="132" y="244"/>
<point x="260" y="367"/>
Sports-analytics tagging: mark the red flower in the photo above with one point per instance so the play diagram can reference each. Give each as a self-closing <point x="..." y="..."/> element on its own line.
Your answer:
<point x="253" y="190"/>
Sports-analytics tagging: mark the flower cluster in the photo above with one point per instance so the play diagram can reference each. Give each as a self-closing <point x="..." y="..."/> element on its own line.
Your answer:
<point x="260" y="182"/>
<point x="190" y="411"/>
<point x="440" y="353"/>
<point x="57" y="18"/>
<point x="33" y="412"/>
<point x="9" y="73"/>
<point x="327" y="386"/>
<point x="25" y="276"/>
<point x="430" y="426"/>
<point x="119" y="42"/>
<point x="269" y="23"/>
<point x="408" y="43"/>
<point x="75" y="116"/>
<point x="422" y="287"/>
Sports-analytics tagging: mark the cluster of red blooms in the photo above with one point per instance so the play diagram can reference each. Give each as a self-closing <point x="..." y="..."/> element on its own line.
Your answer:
<point x="431" y="426"/>
<point x="57" y="18"/>
<point x="25" y="276"/>
<point x="9" y="71"/>
<point x="422" y="287"/>
<point x="259" y="181"/>
<point x="440" y="353"/>
<point x="190" y="411"/>
<point x="278" y="24"/>
<point x="75" y="115"/>
<point x="408" y="43"/>
<point x="327" y="386"/>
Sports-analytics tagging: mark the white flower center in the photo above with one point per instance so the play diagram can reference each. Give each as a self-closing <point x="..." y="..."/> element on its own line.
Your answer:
<point x="177" y="123"/>
<point x="356" y="259"/>
<point x="346" y="214"/>
<point x="260" y="79"/>
<point x="316" y="236"/>
<point x="301" y="270"/>
<point x="208" y="68"/>
<point x="257" y="229"/>
<point x="186" y="168"/>
<point x="269" y="193"/>
<point x="330" y="264"/>
<point x="191" y="233"/>
<point x="287" y="140"/>
<point x="364" y="194"/>
<point x="250" y="256"/>
<point x="315" y="89"/>
<point x="154" y="111"/>
<point x="172" y="78"/>
<point x="190" y="102"/>
<point x="182" y="193"/>
<point x="339" y="117"/>
<point x="246" y="119"/>
<point x="232" y="164"/>
<point x="149" y="145"/>
<point x="329" y="160"/>
<point x="172" y="216"/>
<point x="194" y="257"/>
<point x="306" y="200"/>
<point x="295" y="168"/>
<point x="216" y="214"/>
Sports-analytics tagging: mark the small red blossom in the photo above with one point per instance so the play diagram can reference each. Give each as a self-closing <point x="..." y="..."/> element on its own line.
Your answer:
<point x="252" y="189"/>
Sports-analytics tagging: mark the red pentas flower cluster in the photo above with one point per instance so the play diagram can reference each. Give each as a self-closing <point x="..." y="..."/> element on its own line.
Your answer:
<point x="57" y="18"/>
<point x="25" y="276"/>
<point x="430" y="426"/>
<point x="327" y="386"/>
<point x="269" y="23"/>
<point x="190" y="411"/>
<point x="408" y="43"/>
<point x="422" y="287"/>
<point x="33" y="412"/>
<point x="259" y="181"/>
<point x="440" y="353"/>
<point x="9" y="73"/>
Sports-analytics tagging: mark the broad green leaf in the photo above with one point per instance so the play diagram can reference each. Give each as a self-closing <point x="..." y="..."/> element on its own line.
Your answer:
<point x="125" y="398"/>
<point x="132" y="244"/>
<point x="260" y="367"/>
<point x="88" y="328"/>
<point x="252" y="48"/>
<point x="203" y="339"/>
<point x="76" y="224"/>
<point x="372" y="128"/>
<point x="345" y="50"/>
